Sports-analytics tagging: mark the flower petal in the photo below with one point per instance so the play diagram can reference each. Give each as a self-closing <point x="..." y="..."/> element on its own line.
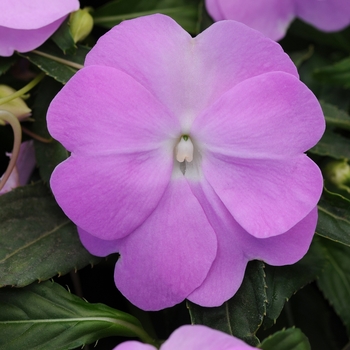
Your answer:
<point x="266" y="197"/>
<point x="97" y="246"/>
<point x="134" y="345"/>
<point x="327" y="15"/>
<point x="113" y="114"/>
<point x="34" y="14"/>
<point x="188" y="74"/>
<point x="227" y="271"/>
<point x="169" y="256"/>
<point x="271" y="17"/>
<point x="25" y="40"/>
<point x="197" y="337"/>
<point x="287" y="248"/>
<point x="110" y="196"/>
<point x="272" y="115"/>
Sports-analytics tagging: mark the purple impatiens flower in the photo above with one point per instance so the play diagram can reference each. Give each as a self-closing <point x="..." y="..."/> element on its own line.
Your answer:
<point x="273" y="17"/>
<point x="187" y="158"/>
<point x="26" y="24"/>
<point x="192" y="338"/>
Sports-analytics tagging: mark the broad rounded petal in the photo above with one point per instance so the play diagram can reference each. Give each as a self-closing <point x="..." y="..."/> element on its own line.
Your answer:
<point x="33" y="14"/>
<point x="214" y="10"/>
<point x="97" y="246"/>
<point x="287" y="248"/>
<point x="266" y="197"/>
<point x="134" y="345"/>
<point x="230" y="263"/>
<point x="273" y="115"/>
<point x="112" y="114"/>
<point x="170" y="255"/>
<point x="270" y="17"/>
<point x="327" y="15"/>
<point x="25" y="40"/>
<point x="109" y="196"/>
<point x="199" y="337"/>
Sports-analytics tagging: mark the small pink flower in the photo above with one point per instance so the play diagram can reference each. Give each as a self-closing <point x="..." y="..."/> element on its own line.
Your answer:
<point x="26" y="24"/>
<point x="192" y="338"/>
<point x="187" y="158"/>
<point x="273" y="17"/>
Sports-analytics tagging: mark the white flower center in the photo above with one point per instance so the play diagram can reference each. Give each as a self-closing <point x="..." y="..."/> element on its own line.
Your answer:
<point x="184" y="149"/>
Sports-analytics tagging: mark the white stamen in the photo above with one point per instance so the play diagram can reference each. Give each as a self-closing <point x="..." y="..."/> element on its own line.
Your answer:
<point x="184" y="150"/>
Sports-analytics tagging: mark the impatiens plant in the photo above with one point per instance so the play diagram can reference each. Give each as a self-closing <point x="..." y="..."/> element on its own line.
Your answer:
<point x="25" y="25"/>
<point x="187" y="158"/>
<point x="273" y="17"/>
<point x="192" y="338"/>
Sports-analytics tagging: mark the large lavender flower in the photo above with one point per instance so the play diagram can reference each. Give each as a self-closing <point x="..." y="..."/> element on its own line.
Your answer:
<point x="187" y="158"/>
<point x="192" y="338"/>
<point x="273" y="17"/>
<point x="25" y="25"/>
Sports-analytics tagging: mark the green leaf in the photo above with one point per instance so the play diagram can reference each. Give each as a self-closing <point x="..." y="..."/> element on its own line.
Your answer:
<point x="338" y="73"/>
<point x="288" y="339"/>
<point x="51" y="60"/>
<point x="46" y="316"/>
<point x="6" y="63"/>
<point x="63" y="38"/>
<point x="37" y="241"/>
<point x="335" y="117"/>
<point x="242" y="315"/>
<point x="185" y="12"/>
<point x="335" y="280"/>
<point x="48" y="155"/>
<point x="334" y="217"/>
<point x="283" y="281"/>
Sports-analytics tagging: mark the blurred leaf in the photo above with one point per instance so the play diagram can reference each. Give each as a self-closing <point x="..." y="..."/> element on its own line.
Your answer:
<point x="335" y="280"/>
<point x="6" y="63"/>
<point x="37" y="241"/>
<point x="288" y="339"/>
<point x="242" y="315"/>
<point x="63" y="38"/>
<point x="51" y="60"/>
<point x="338" y="73"/>
<point x="335" y="117"/>
<point x="46" y="316"/>
<point x="48" y="155"/>
<point x="185" y="12"/>
<point x="283" y="281"/>
<point x="334" y="217"/>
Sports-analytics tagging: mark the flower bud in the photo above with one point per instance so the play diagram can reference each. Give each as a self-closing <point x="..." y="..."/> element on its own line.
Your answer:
<point x="81" y="23"/>
<point x="337" y="172"/>
<point x="16" y="106"/>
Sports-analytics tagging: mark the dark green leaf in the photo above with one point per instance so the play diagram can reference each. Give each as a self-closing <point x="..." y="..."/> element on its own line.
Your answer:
<point x="242" y="315"/>
<point x="63" y="38"/>
<point x="6" y="63"/>
<point x="37" y="241"/>
<point x="338" y="73"/>
<point x="46" y="316"/>
<point x="288" y="339"/>
<point x="185" y="12"/>
<point x="335" y="280"/>
<point x="283" y="281"/>
<point x="48" y="155"/>
<point x="335" y="117"/>
<point x="334" y="217"/>
<point x="51" y="60"/>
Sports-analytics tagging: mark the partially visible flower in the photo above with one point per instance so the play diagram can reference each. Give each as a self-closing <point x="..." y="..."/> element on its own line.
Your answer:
<point x="26" y="24"/>
<point x="25" y="165"/>
<point x="187" y="158"/>
<point x="80" y="23"/>
<point x="16" y="106"/>
<point x="273" y="17"/>
<point x="192" y="338"/>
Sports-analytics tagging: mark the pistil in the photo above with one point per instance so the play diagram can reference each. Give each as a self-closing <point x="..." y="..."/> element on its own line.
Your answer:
<point x="184" y="149"/>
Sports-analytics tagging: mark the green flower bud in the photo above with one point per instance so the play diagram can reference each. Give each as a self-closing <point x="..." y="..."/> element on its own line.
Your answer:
<point x="16" y="106"/>
<point x="337" y="172"/>
<point x="81" y="23"/>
